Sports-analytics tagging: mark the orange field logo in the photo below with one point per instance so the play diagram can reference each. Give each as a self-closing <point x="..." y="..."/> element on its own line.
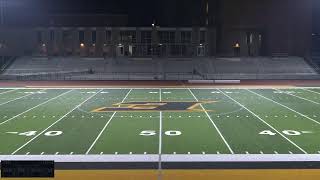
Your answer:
<point x="155" y="106"/>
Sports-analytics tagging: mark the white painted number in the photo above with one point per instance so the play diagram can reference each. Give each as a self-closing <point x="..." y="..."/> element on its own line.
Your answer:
<point x="28" y="133"/>
<point x="291" y="133"/>
<point x="286" y="132"/>
<point x="148" y="133"/>
<point x="267" y="132"/>
<point x="153" y="133"/>
<point x="172" y="133"/>
<point x="53" y="133"/>
<point x="33" y="133"/>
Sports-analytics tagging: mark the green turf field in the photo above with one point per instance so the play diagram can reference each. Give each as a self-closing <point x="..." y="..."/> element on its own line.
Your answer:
<point x="159" y="121"/>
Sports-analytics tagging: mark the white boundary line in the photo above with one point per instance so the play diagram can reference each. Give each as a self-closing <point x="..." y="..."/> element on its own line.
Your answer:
<point x="54" y="123"/>
<point x="168" y="158"/>
<point x="7" y="91"/>
<point x="284" y="106"/>
<point x="34" y="107"/>
<point x="156" y="88"/>
<point x="265" y="122"/>
<point x="297" y="96"/>
<point x="216" y="127"/>
<point x="19" y="98"/>
<point x="106" y="125"/>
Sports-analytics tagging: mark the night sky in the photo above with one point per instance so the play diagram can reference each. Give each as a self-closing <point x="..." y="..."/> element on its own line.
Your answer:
<point x="140" y="12"/>
<point x="316" y="16"/>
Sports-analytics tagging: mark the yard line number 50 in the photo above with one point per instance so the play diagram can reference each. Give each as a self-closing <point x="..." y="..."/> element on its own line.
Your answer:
<point x="153" y="133"/>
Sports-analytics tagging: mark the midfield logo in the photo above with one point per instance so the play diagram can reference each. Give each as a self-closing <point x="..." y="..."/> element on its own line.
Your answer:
<point x="155" y="106"/>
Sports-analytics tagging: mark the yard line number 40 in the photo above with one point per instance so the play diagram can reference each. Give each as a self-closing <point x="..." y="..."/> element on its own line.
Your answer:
<point x="286" y="132"/>
<point x="33" y="133"/>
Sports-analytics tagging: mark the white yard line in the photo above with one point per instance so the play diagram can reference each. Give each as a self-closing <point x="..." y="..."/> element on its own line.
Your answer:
<point x="54" y="123"/>
<point x="216" y="127"/>
<point x="8" y="91"/>
<point x="105" y="126"/>
<point x="298" y="97"/>
<point x="18" y="98"/>
<point x="284" y="106"/>
<point x="160" y="142"/>
<point x="254" y="114"/>
<point x="34" y="107"/>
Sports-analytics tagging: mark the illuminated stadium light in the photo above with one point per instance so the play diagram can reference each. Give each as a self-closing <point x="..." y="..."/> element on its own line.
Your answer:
<point x="81" y="44"/>
<point x="93" y="44"/>
<point x="237" y="45"/>
<point x="43" y="45"/>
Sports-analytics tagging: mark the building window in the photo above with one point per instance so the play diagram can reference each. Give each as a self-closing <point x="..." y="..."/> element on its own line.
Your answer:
<point x="94" y="37"/>
<point x="127" y="36"/>
<point x="52" y="35"/>
<point x="167" y="37"/>
<point x="146" y="37"/>
<point x="108" y="37"/>
<point x="39" y="37"/>
<point x="203" y="37"/>
<point x="186" y="37"/>
<point x="81" y="36"/>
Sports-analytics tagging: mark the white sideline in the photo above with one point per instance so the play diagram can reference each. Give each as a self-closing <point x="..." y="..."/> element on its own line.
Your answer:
<point x="168" y="158"/>
<point x="284" y="106"/>
<point x="54" y="123"/>
<point x="19" y="98"/>
<point x="128" y="87"/>
<point x="34" y="107"/>
<point x="254" y="114"/>
<point x="216" y="127"/>
<point x="7" y="91"/>
<point x="298" y="97"/>
<point x="311" y="91"/>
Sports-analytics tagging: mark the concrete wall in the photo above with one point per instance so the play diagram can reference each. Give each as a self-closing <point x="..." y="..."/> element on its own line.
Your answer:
<point x="285" y="25"/>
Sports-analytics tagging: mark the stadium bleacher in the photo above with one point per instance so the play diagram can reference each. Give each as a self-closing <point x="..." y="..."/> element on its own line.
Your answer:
<point x="75" y="68"/>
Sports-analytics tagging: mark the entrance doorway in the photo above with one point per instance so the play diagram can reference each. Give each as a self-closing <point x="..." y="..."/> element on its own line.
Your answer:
<point x="255" y="43"/>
